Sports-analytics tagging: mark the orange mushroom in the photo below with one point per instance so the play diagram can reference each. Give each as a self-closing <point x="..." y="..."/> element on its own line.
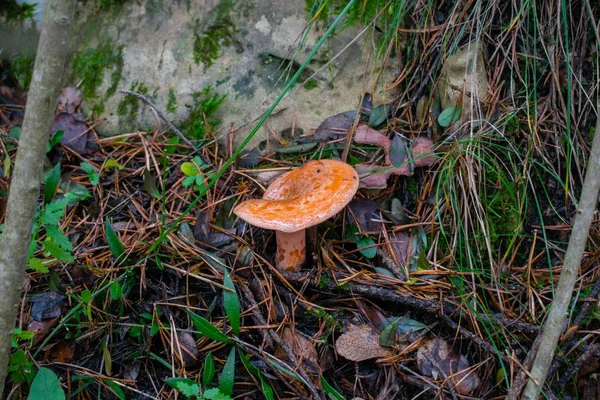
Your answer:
<point x="298" y="200"/>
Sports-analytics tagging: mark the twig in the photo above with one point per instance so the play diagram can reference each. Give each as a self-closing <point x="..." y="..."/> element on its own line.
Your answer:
<point x="171" y="127"/>
<point x="519" y="382"/>
<point x="575" y="367"/>
<point x="431" y="306"/>
<point x="553" y="326"/>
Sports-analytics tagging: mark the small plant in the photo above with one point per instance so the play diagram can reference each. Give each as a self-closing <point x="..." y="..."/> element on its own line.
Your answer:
<point x="191" y="390"/>
<point x="202" y="113"/>
<point x="193" y="172"/>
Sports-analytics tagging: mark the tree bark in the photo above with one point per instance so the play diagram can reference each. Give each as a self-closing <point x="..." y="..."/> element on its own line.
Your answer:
<point x="24" y="191"/>
<point x="554" y="324"/>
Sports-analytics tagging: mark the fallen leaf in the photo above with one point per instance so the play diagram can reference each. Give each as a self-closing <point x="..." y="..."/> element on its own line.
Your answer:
<point x="397" y="151"/>
<point x="437" y="360"/>
<point x="42" y="328"/>
<point x="335" y="126"/>
<point x="366" y="135"/>
<point x="189" y="349"/>
<point x="364" y="211"/>
<point x="62" y="351"/>
<point x="48" y="305"/>
<point x="360" y="343"/>
<point x="423" y="152"/>
<point x="202" y="226"/>
<point x="301" y="346"/>
<point x="375" y="176"/>
<point x="75" y="135"/>
<point x="70" y="98"/>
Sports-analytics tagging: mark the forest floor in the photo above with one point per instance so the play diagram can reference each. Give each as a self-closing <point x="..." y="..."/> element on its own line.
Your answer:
<point x="142" y="282"/>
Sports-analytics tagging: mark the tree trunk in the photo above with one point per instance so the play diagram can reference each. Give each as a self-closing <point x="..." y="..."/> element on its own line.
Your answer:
<point x="24" y="191"/>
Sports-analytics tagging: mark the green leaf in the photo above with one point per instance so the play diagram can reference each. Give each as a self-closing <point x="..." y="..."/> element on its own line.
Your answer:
<point x="92" y="173"/>
<point x="58" y="236"/>
<point x="52" y="181"/>
<point x="379" y="115"/>
<point x="150" y="185"/>
<point x="172" y="142"/>
<point x="366" y="246"/>
<point x="215" y="394"/>
<point x="86" y="295"/>
<point x="449" y="116"/>
<point x="115" y="290"/>
<point x="228" y="374"/>
<point x="388" y="334"/>
<point x="37" y="265"/>
<point x="53" y="212"/>
<point x="46" y="386"/>
<point x="54" y="139"/>
<point x="209" y="369"/>
<point x="406" y="325"/>
<point x="15" y="132"/>
<point x="189" y="181"/>
<point x="231" y="303"/>
<point x="112" y="163"/>
<point x="114" y="243"/>
<point x="56" y="251"/>
<point x="189" y="169"/>
<point x="185" y="386"/>
<point x="116" y="389"/>
<point x="329" y="390"/>
<point x="207" y="329"/>
<point x="300" y="148"/>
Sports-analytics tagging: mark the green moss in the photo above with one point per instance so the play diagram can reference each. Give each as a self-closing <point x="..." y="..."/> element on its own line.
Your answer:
<point x="207" y="44"/>
<point x="22" y="70"/>
<point x="172" y="102"/>
<point x="204" y="107"/>
<point x="13" y="11"/>
<point x="312" y="84"/>
<point x="90" y="64"/>
<point x="512" y="125"/>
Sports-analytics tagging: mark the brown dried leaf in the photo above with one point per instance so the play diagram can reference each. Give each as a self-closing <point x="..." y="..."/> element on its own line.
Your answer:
<point x="42" y="328"/>
<point x="189" y="349"/>
<point x="360" y="343"/>
<point x="366" y="135"/>
<point x="70" y="98"/>
<point x="62" y="351"/>
<point x="423" y="152"/>
<point x="437" y="360"/>
<point x="335" y="126"/>
<point x="75" y="135"/>
<point x="301" y="346"/>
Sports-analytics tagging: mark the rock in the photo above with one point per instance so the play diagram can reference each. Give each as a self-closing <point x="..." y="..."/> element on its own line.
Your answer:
<point x="225" y="47"/>
<point x="463" y="78"/>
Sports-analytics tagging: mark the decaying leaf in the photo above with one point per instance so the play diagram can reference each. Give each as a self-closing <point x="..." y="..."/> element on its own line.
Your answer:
<point x="48" y="305"/>
<point x="397" y="151"/>
<point x="189" y="349"/>
<point x="366" y="135"/>
<point x="335" y="126"/>
<point x="76" y="135"/>
<point x="437" y="360"/>
<point x="423" y="152"/>
<point x="70" y="98"/>
<point x="301" y="346"/>
<point x="42" y="328"/>
<point x="62" y="351"/>
<point x="360" y="343"/>
<point x="365" y="213"/>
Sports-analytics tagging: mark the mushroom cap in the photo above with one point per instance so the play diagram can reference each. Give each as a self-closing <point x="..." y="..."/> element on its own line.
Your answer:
<point x="302" y="197"/>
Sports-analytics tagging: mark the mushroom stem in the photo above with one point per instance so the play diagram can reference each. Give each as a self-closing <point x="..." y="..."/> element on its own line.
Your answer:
<point x="291" y="250"/>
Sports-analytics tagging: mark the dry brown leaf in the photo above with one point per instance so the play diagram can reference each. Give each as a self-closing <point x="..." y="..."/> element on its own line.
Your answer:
<point x="423" y="152"/>
<point x="70" y="98"/>
<point x="42" y="328"/>
<point x="360" y="343"/>
<point x="437" y="360"/>
<point x="301" y="346"/>
<point x="63" y="351"/>
<point x="189" y="349"/>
